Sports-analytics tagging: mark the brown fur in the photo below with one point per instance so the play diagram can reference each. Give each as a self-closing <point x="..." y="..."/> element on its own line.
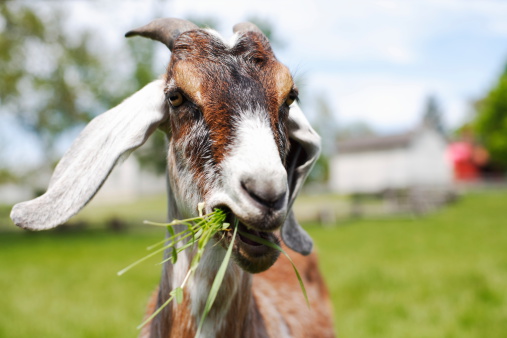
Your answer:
<point x="186" y="324"/>
<point x="274" y="298"/>
<point x="278" y="292"/>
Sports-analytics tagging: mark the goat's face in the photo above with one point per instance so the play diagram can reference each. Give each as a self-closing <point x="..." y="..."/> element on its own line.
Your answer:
<point x="237" y="141"/>
<point x="228" y="114"/>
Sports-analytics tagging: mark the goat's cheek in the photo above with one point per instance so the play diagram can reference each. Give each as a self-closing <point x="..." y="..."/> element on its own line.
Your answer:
<point x="195" y="155"/>
<point x="182" y="182"/>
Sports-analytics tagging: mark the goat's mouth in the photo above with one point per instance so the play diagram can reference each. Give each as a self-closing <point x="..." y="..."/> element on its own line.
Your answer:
<point x="249" y="254"/>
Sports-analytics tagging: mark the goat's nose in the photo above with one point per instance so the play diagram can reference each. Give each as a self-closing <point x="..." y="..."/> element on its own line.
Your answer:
<point x="265" y="191"/>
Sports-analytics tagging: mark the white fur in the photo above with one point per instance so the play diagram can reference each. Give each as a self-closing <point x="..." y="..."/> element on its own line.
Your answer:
<point x="181" y="268"/>
<point x="229" y="43"/>
<point x="254" y="155"/>
<point x="200" y="286"/>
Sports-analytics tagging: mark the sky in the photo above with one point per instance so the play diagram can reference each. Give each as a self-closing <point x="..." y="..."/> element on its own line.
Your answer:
<point x="374" y="61"/>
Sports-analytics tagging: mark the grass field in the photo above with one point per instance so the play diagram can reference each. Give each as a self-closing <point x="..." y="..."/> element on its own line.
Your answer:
<point x="444" y="275"/>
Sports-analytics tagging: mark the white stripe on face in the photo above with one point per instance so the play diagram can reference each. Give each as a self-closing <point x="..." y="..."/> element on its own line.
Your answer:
<point x="254" y="161"/>
<point x="255" y="152"/>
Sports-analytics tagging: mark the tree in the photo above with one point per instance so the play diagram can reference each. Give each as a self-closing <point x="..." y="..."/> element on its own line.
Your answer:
<point x="53" y="80"/>
<point x="433" y="114"/>
<point x="490" y="122"/>
<point x="325" y="125"/>
<point x="50" y="81"/>
<point x="355" y="130"/>
<point x="152" y="155"/>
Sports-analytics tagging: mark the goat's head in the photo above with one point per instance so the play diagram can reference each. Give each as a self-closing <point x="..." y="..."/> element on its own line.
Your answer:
<point x="238" y="140"/>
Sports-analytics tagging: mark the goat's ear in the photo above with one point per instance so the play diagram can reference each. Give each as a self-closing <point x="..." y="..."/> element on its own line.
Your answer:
<point x="304" y="151"/>
<point x="86" y="165"/>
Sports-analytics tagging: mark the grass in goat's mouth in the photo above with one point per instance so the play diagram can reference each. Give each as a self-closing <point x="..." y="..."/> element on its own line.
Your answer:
<point x="199" y="231"/>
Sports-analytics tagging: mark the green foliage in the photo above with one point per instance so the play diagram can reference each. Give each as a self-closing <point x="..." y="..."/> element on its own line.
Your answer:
<point x="47" y="74"/>
<point x="491" y="121"/>
<point x="7" y="177"/>
<point x="54" y="79"/>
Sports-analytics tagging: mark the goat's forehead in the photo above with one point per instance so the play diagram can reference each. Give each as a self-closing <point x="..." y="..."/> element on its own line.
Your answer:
<point x="203" y="62"/>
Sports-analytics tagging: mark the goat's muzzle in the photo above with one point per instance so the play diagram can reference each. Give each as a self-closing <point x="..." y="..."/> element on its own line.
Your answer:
<point x="257" y="205"/>
<point x="265" y="194"/>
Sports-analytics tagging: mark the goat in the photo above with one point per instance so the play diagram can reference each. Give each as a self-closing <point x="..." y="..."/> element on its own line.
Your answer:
<point x="237" y="141"/>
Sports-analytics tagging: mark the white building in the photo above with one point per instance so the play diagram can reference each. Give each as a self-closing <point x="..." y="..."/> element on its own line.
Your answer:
<point x="378" y="164"/>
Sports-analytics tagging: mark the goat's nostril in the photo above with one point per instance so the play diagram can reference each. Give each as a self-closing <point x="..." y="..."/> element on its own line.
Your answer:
<point x="265" y="194"/>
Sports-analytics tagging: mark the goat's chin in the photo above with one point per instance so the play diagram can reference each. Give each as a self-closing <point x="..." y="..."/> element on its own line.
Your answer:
<point x="248" y="254"/>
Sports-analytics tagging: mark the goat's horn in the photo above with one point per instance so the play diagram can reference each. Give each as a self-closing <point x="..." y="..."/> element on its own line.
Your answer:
<point x="165" y="30"/>
<point x="246" y="27"/>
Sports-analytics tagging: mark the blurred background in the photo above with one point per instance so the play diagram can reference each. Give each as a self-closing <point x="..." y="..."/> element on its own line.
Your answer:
<point x="406" y="204"/>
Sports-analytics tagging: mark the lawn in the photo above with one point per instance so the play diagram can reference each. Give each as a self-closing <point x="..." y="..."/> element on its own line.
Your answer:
<point x="443" y="275"/>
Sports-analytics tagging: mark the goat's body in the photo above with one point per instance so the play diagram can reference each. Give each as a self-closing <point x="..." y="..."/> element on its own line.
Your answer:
<point x="282" y="303"/>
<point x="268" y="304"/>
<point x="238" y="141"/>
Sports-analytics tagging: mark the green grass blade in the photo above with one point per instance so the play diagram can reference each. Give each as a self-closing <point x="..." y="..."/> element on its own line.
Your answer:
<point x="174" y="255"/>
<point x="217" y="282"/>
<point x="171" y="231"/>
<point x="162" y="242"/>
<point x="155" y="223"/>
<point x="174" y="238"/>
<point x="200" y="230"/>
<point x="178" y="294"/>
<point x="277" y="247"/>
<point x="121" y="272"/>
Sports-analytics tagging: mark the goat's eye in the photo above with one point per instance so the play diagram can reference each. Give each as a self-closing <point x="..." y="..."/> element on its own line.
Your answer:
<point x="290" y="99"/>
<point x="176" y="99"/>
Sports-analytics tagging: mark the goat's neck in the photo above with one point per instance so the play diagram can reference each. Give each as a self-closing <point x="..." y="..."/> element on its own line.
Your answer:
<point x="234" y="299"/>
<point x="234" y="309"/>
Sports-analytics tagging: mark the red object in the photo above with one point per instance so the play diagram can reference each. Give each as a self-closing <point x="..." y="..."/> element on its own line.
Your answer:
<point x="461" y="155"/>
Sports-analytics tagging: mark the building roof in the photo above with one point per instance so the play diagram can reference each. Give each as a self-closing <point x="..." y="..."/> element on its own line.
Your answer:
<point x="375" y="143"/>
